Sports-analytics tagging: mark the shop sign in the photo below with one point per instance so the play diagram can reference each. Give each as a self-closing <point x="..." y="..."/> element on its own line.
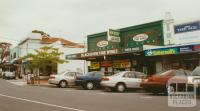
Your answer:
<point x="140" y="37"/>
<point x="133" y="49"/>
<point x="185" y="49"/>
<point x="121" y="64"/>
<point x="187" y="27"/>
<point x="99" y="53"/>
<point x="106" y="63"/>
<point x="102" y="43"/>
<point x="94" y="65"/>
<point x="196" y="47"/>
<point x="164" y="51"/>
<point x="72" y="56"/>
<point x="113" y="35"/>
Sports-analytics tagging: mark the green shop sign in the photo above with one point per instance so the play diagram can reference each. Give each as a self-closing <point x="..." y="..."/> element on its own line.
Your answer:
<point x="164" y="51"/>
<point x="113" y="35"/>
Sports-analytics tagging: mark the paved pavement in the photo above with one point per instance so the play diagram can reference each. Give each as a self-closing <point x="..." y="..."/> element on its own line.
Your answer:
<point x="34" y="98"/>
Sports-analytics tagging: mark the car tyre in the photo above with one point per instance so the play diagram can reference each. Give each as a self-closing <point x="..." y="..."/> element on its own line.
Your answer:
<point x="120" y="87"/>
<point x="89" y="86"/>
<point x="63" y="84"/>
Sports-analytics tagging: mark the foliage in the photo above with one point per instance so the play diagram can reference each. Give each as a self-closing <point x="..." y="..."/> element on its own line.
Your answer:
<point x="44" y="56"/>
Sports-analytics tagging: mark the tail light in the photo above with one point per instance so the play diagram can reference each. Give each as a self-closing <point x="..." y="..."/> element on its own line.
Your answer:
<point x="151" y="78"/>
<point x="52" y="77"/>
<point x="105" y="79"/>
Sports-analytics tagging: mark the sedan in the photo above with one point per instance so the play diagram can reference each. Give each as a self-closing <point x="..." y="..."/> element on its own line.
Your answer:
<point x="158" y="83"/>
<point x="194" y="79"/>
<point x="64" y="79"/>
<point x="8" y="75"/>
<point x="123" y="80"/>
<point x="90" y="80"/>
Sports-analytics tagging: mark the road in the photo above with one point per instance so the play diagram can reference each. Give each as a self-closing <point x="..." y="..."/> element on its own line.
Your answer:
<point x="35" y="98"/>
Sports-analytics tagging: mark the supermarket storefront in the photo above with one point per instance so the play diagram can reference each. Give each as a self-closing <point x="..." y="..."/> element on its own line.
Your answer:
<point x="185" y="56"/>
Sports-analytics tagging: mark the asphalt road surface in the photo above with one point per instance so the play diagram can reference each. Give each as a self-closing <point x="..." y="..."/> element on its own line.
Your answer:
<point x="35" y="98"/>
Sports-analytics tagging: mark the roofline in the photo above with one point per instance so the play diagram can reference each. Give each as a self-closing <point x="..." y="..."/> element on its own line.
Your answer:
<point x="27" y="40"/>
<point x="125" y="29"/>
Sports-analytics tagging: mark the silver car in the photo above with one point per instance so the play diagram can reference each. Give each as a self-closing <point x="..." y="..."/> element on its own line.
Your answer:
<point x="123" y="80"/>
<point x="64" y="79"/>
<point x="8" y="75"/>
<point x="194" y="79"/>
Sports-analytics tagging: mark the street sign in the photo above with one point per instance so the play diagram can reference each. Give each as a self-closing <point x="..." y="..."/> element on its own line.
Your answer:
<point x="113" y="35"/>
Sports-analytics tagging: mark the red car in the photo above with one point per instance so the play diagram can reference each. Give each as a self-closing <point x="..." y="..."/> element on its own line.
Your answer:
<point x="158" y="83"/>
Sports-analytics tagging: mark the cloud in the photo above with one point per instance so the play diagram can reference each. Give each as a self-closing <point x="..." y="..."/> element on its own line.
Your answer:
<point x="75" y="19"/>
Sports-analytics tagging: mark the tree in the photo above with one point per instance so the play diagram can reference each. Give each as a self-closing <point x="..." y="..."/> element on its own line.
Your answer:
<point x="4" y="51"/>
<point x="46" y="55"/>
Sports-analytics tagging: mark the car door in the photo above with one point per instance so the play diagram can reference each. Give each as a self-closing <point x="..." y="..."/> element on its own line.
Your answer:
<point x="98" y="77"/>
<point x="70" y="77"/>
<point x="138" y="79"/>
<point x="130" y="80"/>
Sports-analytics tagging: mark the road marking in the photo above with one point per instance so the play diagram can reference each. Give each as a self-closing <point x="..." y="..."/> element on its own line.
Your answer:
<point x="101" y="93"/>
<point x="43" y="103"/>
<point x="69" y="90"/>
<point x="147" y="97"/>
<point x="19" y="83"/>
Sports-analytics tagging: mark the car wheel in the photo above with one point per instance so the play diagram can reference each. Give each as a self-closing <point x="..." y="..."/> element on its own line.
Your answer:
<point x="121" y="88"/>
<point x="89" y="85"/>
<point x="63" y="84"/>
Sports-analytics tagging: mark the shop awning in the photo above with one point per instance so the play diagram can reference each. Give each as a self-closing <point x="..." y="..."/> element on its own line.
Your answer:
<point x="91" y="54"/>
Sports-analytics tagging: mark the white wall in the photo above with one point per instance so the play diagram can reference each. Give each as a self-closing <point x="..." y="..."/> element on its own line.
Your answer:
<point x="72" y="64"/>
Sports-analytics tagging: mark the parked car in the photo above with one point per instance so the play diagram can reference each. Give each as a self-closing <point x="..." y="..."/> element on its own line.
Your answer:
<point x="64" y="79"/>
<point x="1" y="74"/>
<point x="158" y="83"/>
<point x="90" y="80"/>
<point x="123" y="80"/>
<point x="194" y="79"/>
<point x="8" y="75"/>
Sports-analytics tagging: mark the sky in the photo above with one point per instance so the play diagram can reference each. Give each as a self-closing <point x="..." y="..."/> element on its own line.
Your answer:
<point x="75" y="19"/>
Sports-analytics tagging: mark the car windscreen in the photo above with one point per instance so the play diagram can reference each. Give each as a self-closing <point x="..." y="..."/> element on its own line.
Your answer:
<point x="90" y="74"/>
<point x="180" y="73"/>
<point x="163" y="72"/>
<point x="196" y="72"/>
<point x="119" y="73"/>
<point x="64" y="72"/>
<point x="140" y="75"/>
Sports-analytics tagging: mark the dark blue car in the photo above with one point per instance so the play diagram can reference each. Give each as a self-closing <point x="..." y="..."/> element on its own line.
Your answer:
<point x="90" y="80"/>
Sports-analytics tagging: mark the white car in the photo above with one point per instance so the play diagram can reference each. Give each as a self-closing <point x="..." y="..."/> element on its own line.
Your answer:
<point x="194" y="79"/>
<point x="8" y="75"/>
<point x="64" y="79"/>
<point x="123" y="80"/>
